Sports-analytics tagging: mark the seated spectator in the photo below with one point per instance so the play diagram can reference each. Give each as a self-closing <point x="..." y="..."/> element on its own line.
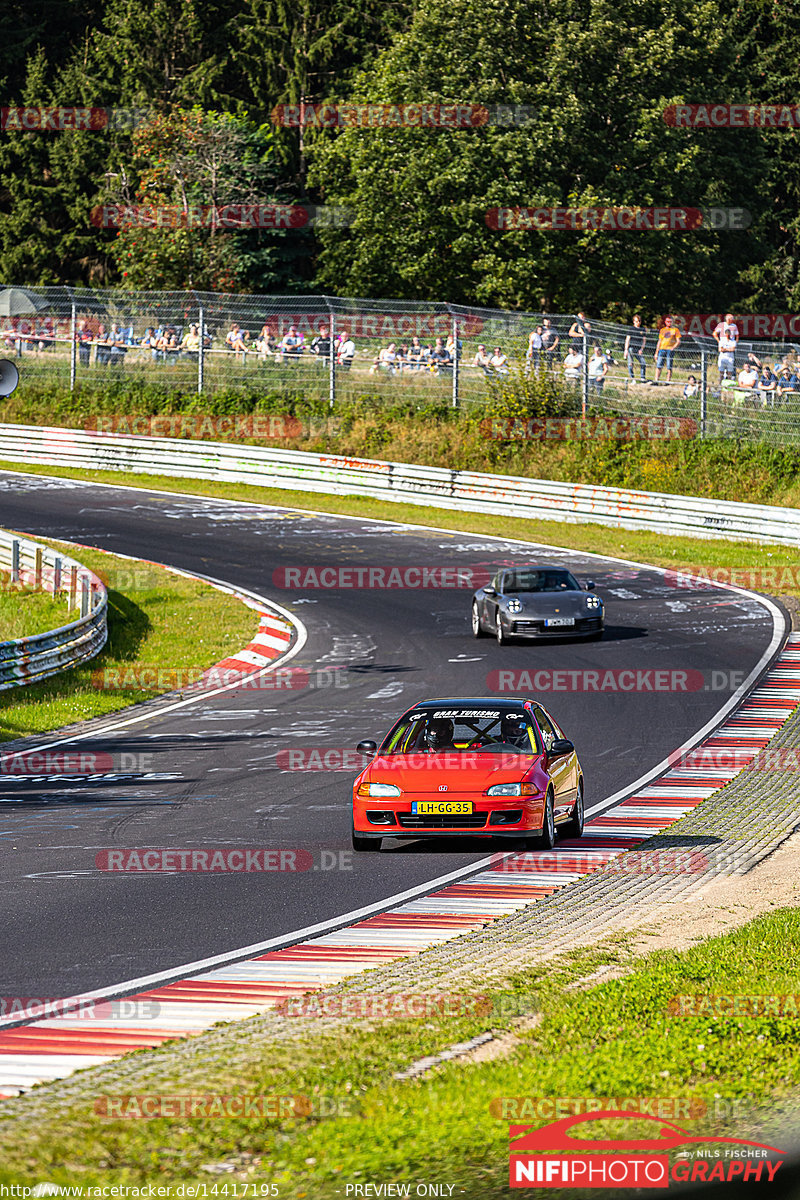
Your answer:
<point x="385" y="361"/>
<point x="167" y="344"/>
<point x="236" y="339"/>
<point x="786" y="382"/>
<point x="321" y="345"/>
<point x="534" y="350"/>
<point x="265" y="343"/>
<point x="439" y="358"/>
<point x="451" y="348"/>
<point x="598" y="369"/>
<point x="415" y="355"/>
<point x="117" y="346"/>
<point x="499" y="362"/>
<point x="573" y="365"/>
<point x="101" y="345"/>
<point x="402" y="358"/>
<point x="748" y="376"/>
<point x="191" y="342"/>
<point x="346" y="351"/>
<point x="291" y="344"/>
<point x="483" y="360"/>
<point x="766" y="387"/>
<point x="691" y="388"/>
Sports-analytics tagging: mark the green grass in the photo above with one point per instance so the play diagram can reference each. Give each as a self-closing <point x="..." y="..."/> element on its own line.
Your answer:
<point x="161" y="619"/>
<point x="680" y="553"/>
<point x="610" y="1041"/>
<point x="25" y="611"/>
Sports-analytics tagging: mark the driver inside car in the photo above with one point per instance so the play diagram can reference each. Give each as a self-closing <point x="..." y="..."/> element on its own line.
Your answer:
<point x="514" y="732"/>
<point x="439" y="735"/>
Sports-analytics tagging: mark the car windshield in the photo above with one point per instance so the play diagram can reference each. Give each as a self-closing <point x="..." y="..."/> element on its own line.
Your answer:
<point x="462" y="729"/>
<point x="540" y="581"/>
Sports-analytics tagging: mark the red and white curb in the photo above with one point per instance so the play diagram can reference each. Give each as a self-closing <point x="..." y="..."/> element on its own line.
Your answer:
<point x="273" y="639"/>
<point x="52" y="1048"/>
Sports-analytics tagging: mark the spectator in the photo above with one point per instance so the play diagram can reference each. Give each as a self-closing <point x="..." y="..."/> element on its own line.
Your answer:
<point x="402" y="357"/>
<point x="265" y="343"/>
<point x="550" y="341"/>
<point x="453" y="350"/>
<point x="499" y="362"/>
<point x="101" y="345"/>
<point x="236" y="340"/>
<point x="321" y="344"/>
<point x="117" y="346"/>
<point x="483" y="360"/>
<point x="634" y="348"/>
<point x="786" y="383"/>
<point x="669" y="338"/>
<point x="439" y="359"/>
<point x="415" y="354"/>
<point x="534" y="350"/>
<point x="579" y="328"/>
<point x="691" y="389"/>
<point x="573" y="365"/>
<point x="191" y="342"/>
<point x="386" y="360"/>
<point x="726" y="335"/>
<point x="766" y="387"/>
<point x="291" y="344"/>
<point x="598" y="369"/>
<point x="347" y="350"/>
<point x="748" y="376"/>
<point x="83" y="337"/>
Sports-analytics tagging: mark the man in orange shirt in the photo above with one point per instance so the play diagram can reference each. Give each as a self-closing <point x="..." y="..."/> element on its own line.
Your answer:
<point x="669" y="338"/>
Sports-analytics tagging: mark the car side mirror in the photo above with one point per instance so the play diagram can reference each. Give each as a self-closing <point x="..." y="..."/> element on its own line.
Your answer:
<point x="369" y="748"/>
<point x="489" y="590"/>
<point x="560" y="746"/>
<point x="589" y="585"/>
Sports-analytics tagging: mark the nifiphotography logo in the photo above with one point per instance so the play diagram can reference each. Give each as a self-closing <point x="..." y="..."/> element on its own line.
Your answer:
<point x="551" y="1157"/>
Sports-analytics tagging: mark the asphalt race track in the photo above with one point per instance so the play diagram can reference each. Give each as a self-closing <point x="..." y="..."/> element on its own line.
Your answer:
<point x="214" y="780"/>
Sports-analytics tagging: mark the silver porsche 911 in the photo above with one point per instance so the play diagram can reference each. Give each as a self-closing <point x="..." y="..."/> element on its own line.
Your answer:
<point x="536" y="601"/>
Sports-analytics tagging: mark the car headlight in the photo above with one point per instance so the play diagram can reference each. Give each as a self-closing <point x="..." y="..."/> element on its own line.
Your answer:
<point x="378" y="789"/>
<point x="515" y="606"/>
<point x="512" y="789"/>
<point x="594" y="602"/>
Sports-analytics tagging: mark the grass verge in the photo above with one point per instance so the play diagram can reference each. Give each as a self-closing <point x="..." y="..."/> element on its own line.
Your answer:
<point x="710" y="1073"/>
<point x="665" y="550"/>
<point x="155" y="619"/>
<point x="26" y="611"/>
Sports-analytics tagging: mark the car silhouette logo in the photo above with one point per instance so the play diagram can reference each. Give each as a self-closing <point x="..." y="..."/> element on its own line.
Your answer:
<point x="442" y="787"/>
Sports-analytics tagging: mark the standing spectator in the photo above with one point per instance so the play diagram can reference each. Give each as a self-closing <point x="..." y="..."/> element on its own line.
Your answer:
<point x="347" y="350"/>
<point x="550" y="340"/>
<point x="726" y="335"/>
<point x="573" y="364"/>
<point x="452" y="349"/>
<point x="579" y="327"/>
<point x="534" y="350"/>
<point x="598" y="369"/>
<point x="321" y="345"/>
<point x="83" y="337"/>
<point x="669" y="338"/>
<point x="499" y="362"/>
<point x="634" y="347"/>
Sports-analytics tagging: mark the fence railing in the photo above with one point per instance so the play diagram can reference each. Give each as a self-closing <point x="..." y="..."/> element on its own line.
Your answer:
<point x="333" y="349"/>
<point x="403" y="483"/>
<point x="30" y="659"/>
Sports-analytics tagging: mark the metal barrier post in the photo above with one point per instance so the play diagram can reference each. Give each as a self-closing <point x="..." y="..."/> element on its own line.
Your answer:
<point x="15" y="561"/>
<point x="56" y="576"/>
<point x="73" y="584"/>
<point x="455" y="362"/>
<point x="73" y="350"/>
<point x="84" y="596"/>
<point x="201" y="355"/>
<point x="703" y="389"/>
<point x="332" y="360"/>
<point x="37" y="569"/>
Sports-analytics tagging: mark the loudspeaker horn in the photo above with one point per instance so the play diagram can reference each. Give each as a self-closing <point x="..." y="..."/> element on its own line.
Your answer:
<point x="9" y="377"/>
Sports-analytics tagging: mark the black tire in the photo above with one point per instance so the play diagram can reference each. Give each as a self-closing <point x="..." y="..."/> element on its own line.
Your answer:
<point x="573" y="828"/>
<point x="361" y="844"/>
<point x="477" y="629"/>
<point x="547" y="838"/>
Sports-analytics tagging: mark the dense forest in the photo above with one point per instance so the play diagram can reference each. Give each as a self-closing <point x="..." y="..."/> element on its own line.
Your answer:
<point x="204" y="81"/>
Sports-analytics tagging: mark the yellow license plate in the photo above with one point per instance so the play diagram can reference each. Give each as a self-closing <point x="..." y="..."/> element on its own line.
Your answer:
<point x="441" y="808"/>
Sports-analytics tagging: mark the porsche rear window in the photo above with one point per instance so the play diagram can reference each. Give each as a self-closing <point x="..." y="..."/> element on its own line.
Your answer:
<point x="465" y="729"/>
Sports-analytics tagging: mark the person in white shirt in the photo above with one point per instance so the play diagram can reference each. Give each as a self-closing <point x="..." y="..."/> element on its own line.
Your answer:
<point x="499" y="361"/>
<point x="386" y="360"/>
<point x="691" y="389"/>
<point x="347" y="349"/>
<point x="482" y="360"/>
<point x="748" y="376"/>
<point x="573" y="365"/>
<point x="598" y="369"/>
<point x="726" y="335"/>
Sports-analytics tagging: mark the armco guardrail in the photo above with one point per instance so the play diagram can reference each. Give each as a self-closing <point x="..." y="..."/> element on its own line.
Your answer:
<point x="29" y="659"/>
<point x="465" y="490"/>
